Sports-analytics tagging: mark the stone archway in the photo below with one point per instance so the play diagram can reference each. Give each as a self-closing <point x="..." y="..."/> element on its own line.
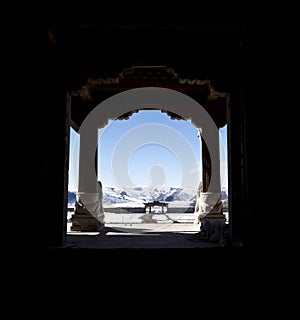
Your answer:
<point x="125" y="103"/>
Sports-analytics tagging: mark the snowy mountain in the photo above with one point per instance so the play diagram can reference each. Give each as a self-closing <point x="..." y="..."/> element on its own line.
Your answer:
<point x="136" y="196"/>
<point x="139" y="195"/>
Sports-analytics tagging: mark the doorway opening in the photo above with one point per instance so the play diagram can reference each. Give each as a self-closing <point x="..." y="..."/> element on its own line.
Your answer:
<point x="155" y="148"/>
<point x="150" y="167"/>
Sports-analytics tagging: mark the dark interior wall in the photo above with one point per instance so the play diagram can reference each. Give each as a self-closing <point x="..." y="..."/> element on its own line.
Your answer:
<point x="193" y="52"/>
<point x="210" y="49"/>
<point x="56" y="150"/>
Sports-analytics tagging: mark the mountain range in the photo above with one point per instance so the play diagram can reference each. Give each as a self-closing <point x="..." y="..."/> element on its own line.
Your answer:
<point x="137" y="196"/>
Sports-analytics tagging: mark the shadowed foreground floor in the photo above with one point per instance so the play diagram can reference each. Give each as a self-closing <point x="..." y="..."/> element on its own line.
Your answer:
<point x="139" y="247"/>
<point x="137" y="236"/>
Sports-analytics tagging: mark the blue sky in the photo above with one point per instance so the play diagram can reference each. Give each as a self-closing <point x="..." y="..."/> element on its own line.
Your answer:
<point x="149" y="148"/>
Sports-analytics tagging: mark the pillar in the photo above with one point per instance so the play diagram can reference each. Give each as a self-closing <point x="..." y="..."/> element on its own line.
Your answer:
<point x="209" y="206"/>
<point x="89" y="214"/>
<point x="206" y="166"/>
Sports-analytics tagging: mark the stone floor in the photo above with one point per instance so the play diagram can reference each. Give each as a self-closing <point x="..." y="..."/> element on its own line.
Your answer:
<point x="125" y="249"/>
<point x="139" y="235"/>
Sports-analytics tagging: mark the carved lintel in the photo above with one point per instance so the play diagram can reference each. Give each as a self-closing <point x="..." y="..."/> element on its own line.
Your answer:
<point x="86" y="92"/>
<point x="172" y="115"/>
<point x="96" y="90"/>
<point x="147" y="76"/>
<point x="127" y="115"/>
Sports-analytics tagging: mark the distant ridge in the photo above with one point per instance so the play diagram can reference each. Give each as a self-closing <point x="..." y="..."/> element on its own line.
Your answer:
<point x="136" y="196"/>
